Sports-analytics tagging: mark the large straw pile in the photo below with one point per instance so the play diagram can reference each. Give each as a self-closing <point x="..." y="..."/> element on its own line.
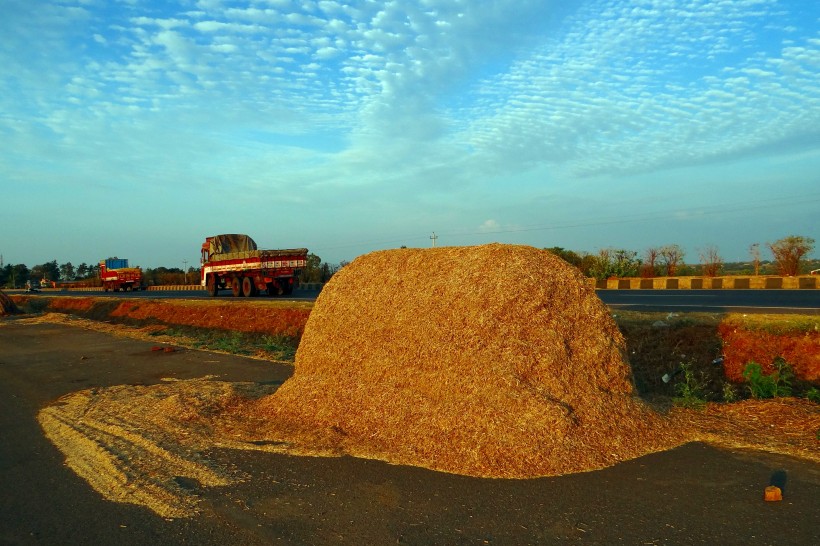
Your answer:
<point x="494" y="360"/>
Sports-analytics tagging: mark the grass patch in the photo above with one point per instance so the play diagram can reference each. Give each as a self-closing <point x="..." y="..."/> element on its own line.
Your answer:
<point x="775" y="324"/>
<point x="279" y="348"/>
<point x="691" y="390"/>
<point x="777" y="383"/>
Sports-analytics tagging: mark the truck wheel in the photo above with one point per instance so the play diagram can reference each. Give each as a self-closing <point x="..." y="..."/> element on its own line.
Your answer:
<point x="236" y="287"/>
<point x="248" y="287"/>
<point x="212" y="285"/>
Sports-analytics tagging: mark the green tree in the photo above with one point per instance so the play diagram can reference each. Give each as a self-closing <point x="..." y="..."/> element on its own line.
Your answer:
<point x="615" y="262"/>
<point x="625" y="263"/>
<point x="671" y="259"/>
<point x="49" y="271"/>
<point x="163" y="276"/>
<point x="789" y="251"/>
<point x="568" y="256"/>
<point x="67" y="272"/>
<point x="14" y="276"/>
<point x="312" y="272"/>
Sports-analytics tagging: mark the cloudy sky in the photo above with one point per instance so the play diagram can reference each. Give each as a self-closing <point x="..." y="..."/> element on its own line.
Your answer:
<point x="135" y="128"/>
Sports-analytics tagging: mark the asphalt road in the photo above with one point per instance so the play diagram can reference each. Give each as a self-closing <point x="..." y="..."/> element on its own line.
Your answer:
<point x="744" y="301"/>
<point x="695" y="494"/>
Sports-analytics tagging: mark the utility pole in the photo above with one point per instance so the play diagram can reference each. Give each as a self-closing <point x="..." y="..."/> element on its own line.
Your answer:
<point x="433" y="237"/>
<point x="185" y="263"/>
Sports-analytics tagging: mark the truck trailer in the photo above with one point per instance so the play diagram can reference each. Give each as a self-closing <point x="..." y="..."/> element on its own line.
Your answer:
<point x="116" y="275"/>
<point x="233" y="261"/>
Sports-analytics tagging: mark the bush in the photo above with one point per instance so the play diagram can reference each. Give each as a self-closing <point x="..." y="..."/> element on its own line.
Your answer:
<point x="762" y="385"/>
<point x="691" y="391"/>
<point x="729" y="393"/>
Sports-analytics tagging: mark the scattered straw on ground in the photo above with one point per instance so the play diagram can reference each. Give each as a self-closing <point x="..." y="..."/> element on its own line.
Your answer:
<point x="781" y="425"/>
<point x="143" y="445"/>
<point x="430" y="358"/>
<point x="152" y="333"/>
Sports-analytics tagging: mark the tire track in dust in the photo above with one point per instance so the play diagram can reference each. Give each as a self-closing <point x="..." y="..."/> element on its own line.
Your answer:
<point x="142" y="445"/>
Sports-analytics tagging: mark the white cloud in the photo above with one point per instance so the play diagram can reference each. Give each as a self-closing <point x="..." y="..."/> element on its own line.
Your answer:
<point x="489" y="225"/>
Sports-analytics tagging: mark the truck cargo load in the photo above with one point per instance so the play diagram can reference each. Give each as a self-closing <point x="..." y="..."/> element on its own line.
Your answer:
<point x="116" y="263"/>
<point x="230" y="244"/>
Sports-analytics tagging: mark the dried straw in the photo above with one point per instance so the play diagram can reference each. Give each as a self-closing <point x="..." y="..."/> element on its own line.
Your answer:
<point x="494" y="360"/>
<point x="782" y="425"/>
<point x="7" y="307"/>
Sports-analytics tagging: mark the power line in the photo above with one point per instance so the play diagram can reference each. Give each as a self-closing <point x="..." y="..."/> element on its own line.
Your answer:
<point x="613" y="220"/>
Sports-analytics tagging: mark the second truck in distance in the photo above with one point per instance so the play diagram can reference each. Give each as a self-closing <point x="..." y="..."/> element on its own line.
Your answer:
<point x="116" y="275"/>
<point x="233" y="261"/>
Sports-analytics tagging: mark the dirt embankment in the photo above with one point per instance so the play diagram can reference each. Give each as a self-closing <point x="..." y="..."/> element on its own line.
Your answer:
<point x="7" y="305"/>
<point x="285" y="318"/>
<point x="656" y="343"/>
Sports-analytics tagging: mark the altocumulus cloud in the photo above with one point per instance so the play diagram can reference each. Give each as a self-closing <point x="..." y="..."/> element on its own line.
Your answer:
<point x="417" y="110"/>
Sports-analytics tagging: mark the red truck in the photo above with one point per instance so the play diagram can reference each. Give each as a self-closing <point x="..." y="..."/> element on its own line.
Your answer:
<point x="233" y="261"/>
<point x="116" y="275"/>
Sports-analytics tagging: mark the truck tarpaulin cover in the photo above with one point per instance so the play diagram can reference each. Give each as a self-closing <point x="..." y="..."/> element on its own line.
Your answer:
<point x="231" y="243"/>
<point x="116" y="263"/>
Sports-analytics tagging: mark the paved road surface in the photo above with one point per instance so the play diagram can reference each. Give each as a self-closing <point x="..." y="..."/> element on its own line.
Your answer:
<point x="744" y="301"/>
<point x="695" y="494"/>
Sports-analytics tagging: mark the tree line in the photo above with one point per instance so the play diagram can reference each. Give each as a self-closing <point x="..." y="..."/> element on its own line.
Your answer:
<point x="50" y="273"/>
<point x="789" y="258"/>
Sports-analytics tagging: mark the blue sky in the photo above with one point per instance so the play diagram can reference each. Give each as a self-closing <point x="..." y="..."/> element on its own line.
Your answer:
<point x="136" y="128"/>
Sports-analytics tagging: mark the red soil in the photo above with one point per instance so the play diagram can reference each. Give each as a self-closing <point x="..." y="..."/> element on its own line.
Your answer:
<point x="741" y="346"/>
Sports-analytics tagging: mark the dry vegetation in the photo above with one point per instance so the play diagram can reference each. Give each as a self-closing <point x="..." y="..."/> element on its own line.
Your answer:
<point x="454" y="370"/>
<point x="7" y="306"/>
<point x="446" y="366"/>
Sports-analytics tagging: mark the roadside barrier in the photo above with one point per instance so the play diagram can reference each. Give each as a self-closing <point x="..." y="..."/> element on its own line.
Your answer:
<point x="803" y="282"/>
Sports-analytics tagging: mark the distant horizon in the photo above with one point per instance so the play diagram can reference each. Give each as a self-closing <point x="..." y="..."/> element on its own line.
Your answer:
<point x="686" y="264"/>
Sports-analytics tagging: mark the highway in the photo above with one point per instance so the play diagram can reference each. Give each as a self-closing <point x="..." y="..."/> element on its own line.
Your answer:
<point x="715" y="301"/>
<point x="804" y="302"/>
